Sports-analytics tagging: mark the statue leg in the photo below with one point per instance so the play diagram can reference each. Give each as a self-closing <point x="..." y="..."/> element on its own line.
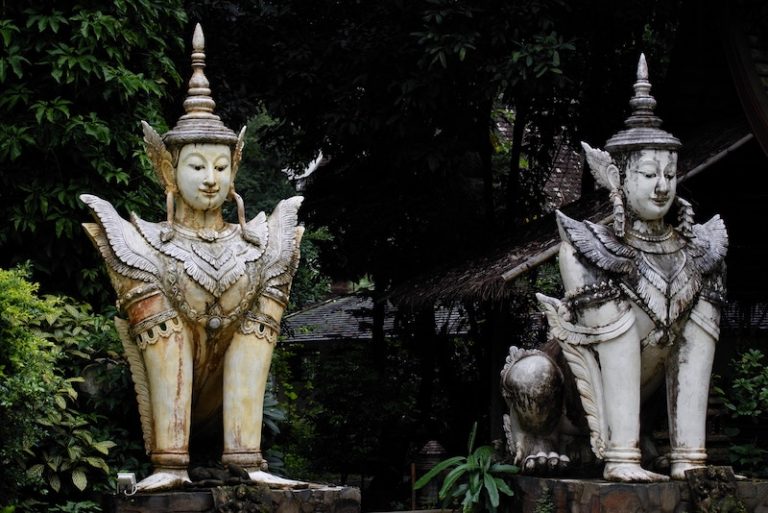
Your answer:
<point x="246" y="370"/>
<point x="688" y="373"/>
<point x="620" y="369"/>
<point x="169" y="371"/>
<point x="532" y="386"/>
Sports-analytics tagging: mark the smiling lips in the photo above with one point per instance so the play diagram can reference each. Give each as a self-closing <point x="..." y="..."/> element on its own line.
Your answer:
<point x="660" y="200"/>
<point x="210" y="192"/>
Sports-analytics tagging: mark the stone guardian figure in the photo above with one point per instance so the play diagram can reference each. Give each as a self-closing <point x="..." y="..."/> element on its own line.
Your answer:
<point x="641" y="307"/>
<point x="200" y="300"/>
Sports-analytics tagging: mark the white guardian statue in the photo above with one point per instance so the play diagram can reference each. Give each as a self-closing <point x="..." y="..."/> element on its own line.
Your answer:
<point x="641" y="307"/>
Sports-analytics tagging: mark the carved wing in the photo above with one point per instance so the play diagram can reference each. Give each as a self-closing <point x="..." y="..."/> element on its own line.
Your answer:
<point x="514" y="448"/>
<point x="282" y="252"/>
<point x="140" y="381"/>
<point x="586" y="372"/>
<point x="597" y="244"/>
<point x="257" y="233"/>
<point x="710" y="244"/>
<point x="120" y="244"/>
<point x="159" y="156"/>
<point x="599" y="163"/>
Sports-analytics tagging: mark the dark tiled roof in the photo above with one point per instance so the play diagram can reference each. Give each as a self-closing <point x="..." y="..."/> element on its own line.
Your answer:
<point x="563" y="186"/>
<point x="737" y="315"/>
<point x="351" y="318"/>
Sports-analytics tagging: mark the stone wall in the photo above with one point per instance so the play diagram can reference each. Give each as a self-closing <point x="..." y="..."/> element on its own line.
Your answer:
<point x="241" y="498"/>
<point x="540" y="495"/>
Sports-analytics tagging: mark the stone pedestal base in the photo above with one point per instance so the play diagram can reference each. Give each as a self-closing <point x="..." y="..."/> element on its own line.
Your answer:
<point x="538" y="495"/>
<point x="241" y="498"/>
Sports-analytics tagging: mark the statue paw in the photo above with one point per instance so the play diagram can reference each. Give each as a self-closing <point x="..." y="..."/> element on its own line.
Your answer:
<point x="274" y="481"/>
<point x="163" y="479"/>
<point x="543" y="463"/>
<point x="631" y="473"/>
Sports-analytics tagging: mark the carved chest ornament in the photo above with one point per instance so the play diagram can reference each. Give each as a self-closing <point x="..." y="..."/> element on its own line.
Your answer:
<point x="214" y="265"/>
<point x="664" y="282"/>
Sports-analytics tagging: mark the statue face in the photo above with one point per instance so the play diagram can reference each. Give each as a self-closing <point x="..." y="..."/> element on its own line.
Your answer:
<point x="650" y="183"/>
<point x="204" y="175"/>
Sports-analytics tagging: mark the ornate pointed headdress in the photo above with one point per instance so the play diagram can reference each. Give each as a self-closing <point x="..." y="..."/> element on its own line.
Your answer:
<point x="643" y="126"/>
<point x="198" y="125"/>
<point x="643" y="132"/>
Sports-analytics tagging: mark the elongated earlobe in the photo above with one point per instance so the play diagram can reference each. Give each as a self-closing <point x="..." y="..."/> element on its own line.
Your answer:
<point x="167" y="233"/>
<point x="618" y="212"/>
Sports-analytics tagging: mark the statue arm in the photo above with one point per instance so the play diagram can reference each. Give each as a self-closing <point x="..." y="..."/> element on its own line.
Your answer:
<point x="264" y="319"/>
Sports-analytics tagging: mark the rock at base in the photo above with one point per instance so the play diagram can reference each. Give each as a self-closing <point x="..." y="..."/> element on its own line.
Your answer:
<point x="539" y="495"/>
<point x="240" y="498"/>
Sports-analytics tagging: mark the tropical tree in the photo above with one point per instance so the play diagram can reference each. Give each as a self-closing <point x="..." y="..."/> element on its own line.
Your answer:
<point x="75" y="80"/>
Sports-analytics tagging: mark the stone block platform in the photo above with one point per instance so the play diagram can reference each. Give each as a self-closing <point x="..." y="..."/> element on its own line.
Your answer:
<point x="241" y="498"/>
<point x="536" y="495"/>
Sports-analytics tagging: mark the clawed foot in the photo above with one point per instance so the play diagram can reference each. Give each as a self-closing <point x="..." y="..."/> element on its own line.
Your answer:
<point x="274" y="481"/>
<point x="545" y="463"/>
<point x="163" y="479"/>
<point x="631" y="473"/>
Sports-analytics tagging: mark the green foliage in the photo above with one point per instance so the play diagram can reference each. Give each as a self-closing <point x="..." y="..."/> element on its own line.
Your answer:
<point x="63" y="391"/>
<point x="748" y="456"/>
<point x="545" y="503"/>
<point x="75" y="80"/>
<point x="748" y="393"/>
<point x="474" y="479"/>
<point x="746" y="397"/>
<point x="28" y="383"/>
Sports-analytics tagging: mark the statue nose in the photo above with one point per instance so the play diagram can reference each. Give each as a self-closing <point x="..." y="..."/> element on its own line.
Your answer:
<point x="662" y="185"/>
<point x="210" y="177"/>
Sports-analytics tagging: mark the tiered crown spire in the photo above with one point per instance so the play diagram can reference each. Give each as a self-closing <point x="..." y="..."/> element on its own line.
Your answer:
<point x="199" y="124"/>
<point x="643" y="126"/>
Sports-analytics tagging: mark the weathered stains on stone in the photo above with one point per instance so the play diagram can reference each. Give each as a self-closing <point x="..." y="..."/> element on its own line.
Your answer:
<point x="598" y="496"/>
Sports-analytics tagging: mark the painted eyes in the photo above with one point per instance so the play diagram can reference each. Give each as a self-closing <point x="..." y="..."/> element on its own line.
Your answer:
<point x="199" y="167"/>
<point x="651" y="174"/>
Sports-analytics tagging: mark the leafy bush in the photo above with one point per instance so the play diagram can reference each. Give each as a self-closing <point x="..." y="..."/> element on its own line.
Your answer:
<point x="62" y="388"/>
<point x="746" y="398"/>
<point x="474" y="479"/>
<point x="748" y="394"/>
<point x="28" y="383"/>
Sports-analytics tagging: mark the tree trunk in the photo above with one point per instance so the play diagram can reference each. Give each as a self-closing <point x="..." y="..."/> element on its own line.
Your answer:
<point x="515" y="211"/>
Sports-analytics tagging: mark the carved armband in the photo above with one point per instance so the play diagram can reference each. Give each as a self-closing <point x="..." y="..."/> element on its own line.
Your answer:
<point x="592" y="295"/>
<point x="136" y="295"/>
<point x="714" y="290"/>
<point x="155" y="327"/>
<point x="150" y="316"/>
<point x="279" y="294"/>
<point x="261" y="325"/>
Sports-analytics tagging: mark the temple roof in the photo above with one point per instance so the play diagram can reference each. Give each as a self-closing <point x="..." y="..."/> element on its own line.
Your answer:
<point x="350" y="317"/>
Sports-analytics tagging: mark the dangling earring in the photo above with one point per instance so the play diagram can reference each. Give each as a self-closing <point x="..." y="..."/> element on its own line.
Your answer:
<point x="684" y="218"/>
<point x="240" y="208"/>
<point x="253" y="238"/>
<point x="618" y="212"/>
<point x="167" y="233"/>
